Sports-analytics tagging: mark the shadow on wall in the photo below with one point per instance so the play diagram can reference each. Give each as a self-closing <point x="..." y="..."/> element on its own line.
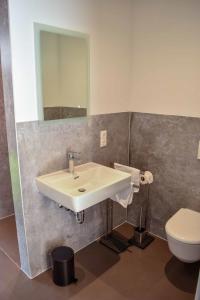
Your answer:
<point x="183" y="275"/>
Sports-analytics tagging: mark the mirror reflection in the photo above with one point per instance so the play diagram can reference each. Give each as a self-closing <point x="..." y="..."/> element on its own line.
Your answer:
<point x="64" y="74"/>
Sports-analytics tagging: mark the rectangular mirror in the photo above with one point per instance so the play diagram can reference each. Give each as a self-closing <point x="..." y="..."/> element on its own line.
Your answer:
<point x="62" y="62"/>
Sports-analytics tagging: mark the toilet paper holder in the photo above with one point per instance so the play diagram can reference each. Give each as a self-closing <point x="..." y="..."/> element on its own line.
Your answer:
<point x="141" y="238"/>
<point x="146" y="177"/>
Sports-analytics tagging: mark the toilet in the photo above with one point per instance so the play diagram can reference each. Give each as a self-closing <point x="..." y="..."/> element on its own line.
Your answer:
<point x="183" y="235"/>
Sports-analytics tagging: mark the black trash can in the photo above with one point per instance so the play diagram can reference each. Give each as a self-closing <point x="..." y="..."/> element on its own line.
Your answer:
<point x="63" y="266"/>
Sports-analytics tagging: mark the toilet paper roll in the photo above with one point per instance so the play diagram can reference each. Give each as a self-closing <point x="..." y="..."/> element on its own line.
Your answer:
<point x="146" y="178"/>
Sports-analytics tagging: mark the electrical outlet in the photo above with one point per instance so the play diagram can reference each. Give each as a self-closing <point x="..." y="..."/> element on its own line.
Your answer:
<point x="198" y="154"/>
<point x="103" y="138"/>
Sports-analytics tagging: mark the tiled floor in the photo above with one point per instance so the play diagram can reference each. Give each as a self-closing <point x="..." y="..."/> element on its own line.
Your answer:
<point x="8" y="239"/>
<point x="150" y="274"/>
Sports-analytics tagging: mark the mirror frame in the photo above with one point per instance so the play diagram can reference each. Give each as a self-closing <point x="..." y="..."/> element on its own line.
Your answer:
<point x="42" y="27"/>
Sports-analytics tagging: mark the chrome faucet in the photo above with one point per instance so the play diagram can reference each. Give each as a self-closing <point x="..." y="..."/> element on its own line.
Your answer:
<point x="72" y="156"/>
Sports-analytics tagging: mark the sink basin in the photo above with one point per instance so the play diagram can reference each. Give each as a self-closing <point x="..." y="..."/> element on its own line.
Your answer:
<point x="91" y="184"/>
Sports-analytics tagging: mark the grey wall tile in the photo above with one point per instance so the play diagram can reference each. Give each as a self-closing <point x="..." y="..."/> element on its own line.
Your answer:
<point x="42" y="149"/>
<point x="167" y="146"/>
<point x="11" y="131"/>
<point x="6" y="202"/>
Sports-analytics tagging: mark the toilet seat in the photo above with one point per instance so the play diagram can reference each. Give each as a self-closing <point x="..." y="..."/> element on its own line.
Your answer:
<point x="184" y="226"/>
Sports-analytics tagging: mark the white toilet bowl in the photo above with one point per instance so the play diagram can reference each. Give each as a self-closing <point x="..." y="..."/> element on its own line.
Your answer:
<point x="183" y="235"/>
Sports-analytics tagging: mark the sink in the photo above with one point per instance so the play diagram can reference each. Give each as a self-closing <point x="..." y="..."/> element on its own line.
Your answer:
<point x="91" y="184"/>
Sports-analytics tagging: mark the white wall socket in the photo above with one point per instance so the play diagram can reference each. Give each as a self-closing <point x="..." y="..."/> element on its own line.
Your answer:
<point x="198" y="154"/>
<point x="103" y="138"/>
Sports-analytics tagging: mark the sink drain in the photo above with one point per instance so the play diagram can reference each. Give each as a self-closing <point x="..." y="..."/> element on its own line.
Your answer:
<point x="82" y="190"/>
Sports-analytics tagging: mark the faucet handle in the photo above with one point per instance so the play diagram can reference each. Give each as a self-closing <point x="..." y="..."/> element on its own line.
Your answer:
<point x="73" y="155"/>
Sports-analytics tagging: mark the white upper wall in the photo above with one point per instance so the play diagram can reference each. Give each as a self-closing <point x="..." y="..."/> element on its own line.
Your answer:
<point x="166" y="57"/>
<point x="158" y="39"/>
<point x="108" y="24"/>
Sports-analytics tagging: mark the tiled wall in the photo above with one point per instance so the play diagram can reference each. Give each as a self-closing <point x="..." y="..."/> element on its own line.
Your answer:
<point x="167" y="146"/>
<point x="6" y="202"/>
<point x="42" y="149"/>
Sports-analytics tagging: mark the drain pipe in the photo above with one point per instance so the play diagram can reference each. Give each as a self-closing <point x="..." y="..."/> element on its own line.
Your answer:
<point x="80" y="216"/>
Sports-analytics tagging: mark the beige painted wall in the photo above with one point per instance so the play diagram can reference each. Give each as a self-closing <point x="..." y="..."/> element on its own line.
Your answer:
<point x="64" y="65"/>
<point x="166" y="57"/>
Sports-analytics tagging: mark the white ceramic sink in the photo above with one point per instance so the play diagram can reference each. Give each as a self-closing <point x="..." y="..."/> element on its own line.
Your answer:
<point x="93" y="184"/>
